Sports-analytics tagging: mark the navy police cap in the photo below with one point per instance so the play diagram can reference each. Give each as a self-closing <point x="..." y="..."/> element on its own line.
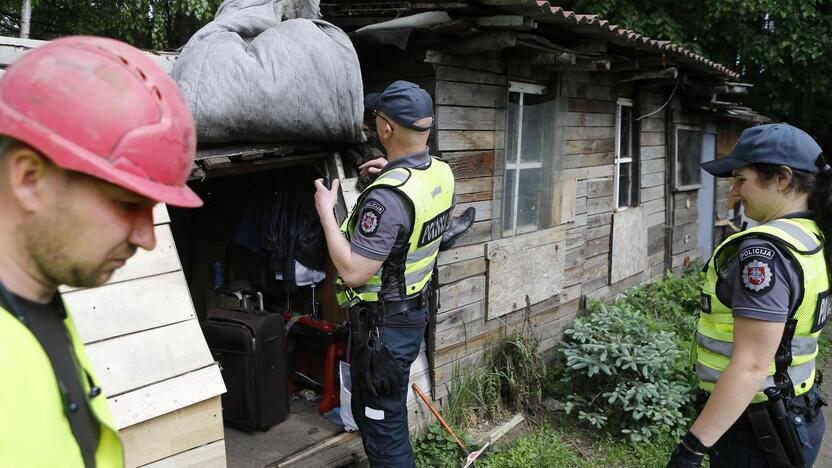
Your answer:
<point x="780" y="144"/>
<point x="404" y="102"/>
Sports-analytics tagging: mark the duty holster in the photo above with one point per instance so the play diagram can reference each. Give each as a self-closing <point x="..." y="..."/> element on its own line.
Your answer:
<point x="774" y="437"/>
<point x="376" y="371"/>
<point x="774" y="424"/>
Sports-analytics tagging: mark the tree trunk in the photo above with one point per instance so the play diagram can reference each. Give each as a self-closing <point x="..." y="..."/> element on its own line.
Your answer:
<point x="25" y="19"/>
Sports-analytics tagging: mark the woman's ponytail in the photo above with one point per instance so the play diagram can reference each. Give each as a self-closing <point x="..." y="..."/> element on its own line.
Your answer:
<point x="820" y="201"/>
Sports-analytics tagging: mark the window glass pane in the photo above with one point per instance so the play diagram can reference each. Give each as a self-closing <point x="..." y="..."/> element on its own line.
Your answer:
<point x="508" y="201"/>
<point x="688" y="156"/>
<point x="534" y="119"/>
<point x="512" y="127"/>
<point x="625" y="181"/>
<point x="528" y="203"/>
<point x="624" y="131"/>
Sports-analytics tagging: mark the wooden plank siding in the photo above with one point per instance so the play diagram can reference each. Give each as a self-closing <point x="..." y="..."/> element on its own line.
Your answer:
<point x="145" y="344"/>
<point x="470" y="136"/>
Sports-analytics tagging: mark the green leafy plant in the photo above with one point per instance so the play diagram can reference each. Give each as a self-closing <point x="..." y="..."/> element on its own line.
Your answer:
<point x="436" y="448"/>
<point x="624" y="373"/>
<point x="673" y="301"/>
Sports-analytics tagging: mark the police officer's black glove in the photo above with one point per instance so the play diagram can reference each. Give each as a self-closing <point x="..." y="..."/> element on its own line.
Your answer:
<point x="387" y="376"/>
<point x="362" y="373"/>
<point x="689" y="453"/>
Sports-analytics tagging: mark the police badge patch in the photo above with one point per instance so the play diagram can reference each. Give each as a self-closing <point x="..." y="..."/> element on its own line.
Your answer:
<point x="370" y="216"/>
<point x="757" y="269"/>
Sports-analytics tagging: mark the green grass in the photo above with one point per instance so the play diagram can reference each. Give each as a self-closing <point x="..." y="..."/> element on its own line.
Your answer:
<point x="555" y="448"/>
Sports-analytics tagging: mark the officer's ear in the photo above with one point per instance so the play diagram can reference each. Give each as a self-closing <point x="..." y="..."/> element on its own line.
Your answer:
<point x="29" y="176"/>
<point x="784" y="179"/>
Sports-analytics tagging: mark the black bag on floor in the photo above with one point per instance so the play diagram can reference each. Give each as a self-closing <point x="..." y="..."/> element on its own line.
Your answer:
<point x="249" y="346"/>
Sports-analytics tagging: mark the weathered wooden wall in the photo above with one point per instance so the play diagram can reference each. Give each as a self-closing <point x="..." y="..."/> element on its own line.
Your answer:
<point x="685" y="219"/>
<point x="469" y="96"/>
<point x="144" y="341"/>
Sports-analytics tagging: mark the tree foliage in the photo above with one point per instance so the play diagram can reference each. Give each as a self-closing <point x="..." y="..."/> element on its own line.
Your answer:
<point x="157" y="24"/>
<point x="783" y="47"/>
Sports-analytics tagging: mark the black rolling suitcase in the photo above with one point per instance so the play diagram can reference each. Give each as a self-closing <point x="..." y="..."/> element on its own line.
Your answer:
<point x="249" y="346"/>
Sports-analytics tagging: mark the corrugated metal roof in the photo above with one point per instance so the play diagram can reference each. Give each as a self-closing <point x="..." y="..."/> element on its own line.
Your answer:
<point x="543" y="11"/>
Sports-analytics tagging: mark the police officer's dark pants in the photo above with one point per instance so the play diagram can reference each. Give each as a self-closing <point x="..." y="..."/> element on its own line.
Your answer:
<point x="738" y="447"/>
<point x="382" y="420"/>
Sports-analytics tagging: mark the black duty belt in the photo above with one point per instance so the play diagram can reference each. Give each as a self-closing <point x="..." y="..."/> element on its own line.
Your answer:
<point x="397" y="307"/>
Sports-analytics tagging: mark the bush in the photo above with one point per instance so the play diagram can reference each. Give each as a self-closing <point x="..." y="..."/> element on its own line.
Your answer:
<point x="673" y="301"/>
<point x="624" y="373"/>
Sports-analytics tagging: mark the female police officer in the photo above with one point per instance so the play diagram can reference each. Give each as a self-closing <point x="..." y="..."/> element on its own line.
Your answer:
<point x="764" y="302"/>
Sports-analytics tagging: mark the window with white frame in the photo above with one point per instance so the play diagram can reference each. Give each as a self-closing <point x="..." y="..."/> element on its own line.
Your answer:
<point x="624" y="189"/>
<point x="688" y="156"/>
<point x="529" y="139"/>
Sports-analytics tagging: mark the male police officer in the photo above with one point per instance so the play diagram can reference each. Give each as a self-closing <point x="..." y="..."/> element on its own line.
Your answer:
<point x="92" y="135"/>
<point x="385" y="253"/>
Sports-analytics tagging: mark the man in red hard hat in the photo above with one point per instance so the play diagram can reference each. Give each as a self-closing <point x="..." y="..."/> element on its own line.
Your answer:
<point x="92" y="135"/>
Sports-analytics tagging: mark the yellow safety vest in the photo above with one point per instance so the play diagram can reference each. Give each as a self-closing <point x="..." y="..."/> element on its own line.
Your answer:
<point x="430" y="192"/>
<point x="34" y="429"/>
<point x="715" y="335"/>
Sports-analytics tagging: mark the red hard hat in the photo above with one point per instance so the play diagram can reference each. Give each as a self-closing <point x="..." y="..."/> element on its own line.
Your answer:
<point x="103" y="108"/>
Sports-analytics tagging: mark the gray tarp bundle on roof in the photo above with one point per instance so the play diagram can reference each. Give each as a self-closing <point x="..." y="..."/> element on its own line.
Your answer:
<point x="249" y="76"/>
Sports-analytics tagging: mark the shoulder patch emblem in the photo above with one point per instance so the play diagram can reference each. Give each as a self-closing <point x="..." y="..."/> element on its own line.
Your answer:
<point x="757" y="276"/>
<point x="369" y="222"/>
<point x="370" y="217"/>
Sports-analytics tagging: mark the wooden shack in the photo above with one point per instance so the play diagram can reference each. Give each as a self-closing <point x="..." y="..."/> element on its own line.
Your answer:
<point x="577" y="142"/>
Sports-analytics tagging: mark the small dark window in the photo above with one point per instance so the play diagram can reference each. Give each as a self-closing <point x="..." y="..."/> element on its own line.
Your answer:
<point x="688" y="157"/>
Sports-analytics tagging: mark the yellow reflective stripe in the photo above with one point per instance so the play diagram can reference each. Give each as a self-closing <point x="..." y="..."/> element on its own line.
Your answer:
<point x="720" y="347"/>
<point x="396" y="175"/>
<point x="803" y="348"/>
<point x="796" y="232"/>
<point x="798" y="374"/>
<point x="423" y="253"/>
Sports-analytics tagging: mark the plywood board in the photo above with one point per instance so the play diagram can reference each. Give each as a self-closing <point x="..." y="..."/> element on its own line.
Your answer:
<point x="160" y="214"/>
<point x="629" y="243"/>
<point x="132" y="361"/>
<point x="350" y="193"/>
<point x="530" y="265"/>
<point x="129" y="307"/>
<point x="176" y="432"/>
<point x="166" y="396"/>
<point x="565" y="201"/>
<point x="420" y="375"/>
<point x="208" y="456"/>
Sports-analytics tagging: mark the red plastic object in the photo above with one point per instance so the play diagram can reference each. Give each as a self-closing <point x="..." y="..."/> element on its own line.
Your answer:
<point x="104" y="108"/>
<point x="320" y="345"/>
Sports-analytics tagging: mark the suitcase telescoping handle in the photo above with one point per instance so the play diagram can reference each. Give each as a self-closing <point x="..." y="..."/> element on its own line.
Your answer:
<point x="248" y="295"/>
